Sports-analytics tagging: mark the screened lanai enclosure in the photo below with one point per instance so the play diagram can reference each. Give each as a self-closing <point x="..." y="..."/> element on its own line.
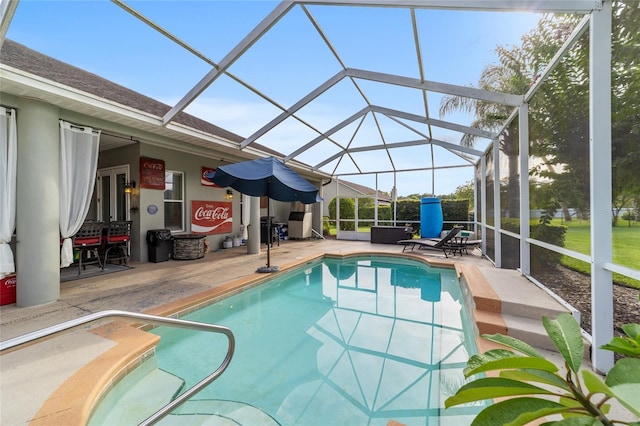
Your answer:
<point x="533" y="103"/>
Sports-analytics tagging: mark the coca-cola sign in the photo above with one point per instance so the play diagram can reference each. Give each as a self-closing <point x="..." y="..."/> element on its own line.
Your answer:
<point x="211" y="217"/>
<point x="205" y="177"/>
<point x="151" y="173"/>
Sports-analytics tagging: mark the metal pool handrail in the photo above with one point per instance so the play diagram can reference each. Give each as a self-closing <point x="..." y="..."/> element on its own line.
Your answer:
<point x="146" y="319"/>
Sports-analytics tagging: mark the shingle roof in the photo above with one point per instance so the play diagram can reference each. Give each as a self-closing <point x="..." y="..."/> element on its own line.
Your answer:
<point x="365" y="190"/>
<point x="21" y="57"/>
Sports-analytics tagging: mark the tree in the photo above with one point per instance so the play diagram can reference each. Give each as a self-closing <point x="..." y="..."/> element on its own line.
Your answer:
<point x="510" y="76"/>
<point x="559" y="111"/>
<point x="564" y="139"/>
<point x="465" y="192"/>
<point x="414" y="196"/>
<point x="625" y="131"/>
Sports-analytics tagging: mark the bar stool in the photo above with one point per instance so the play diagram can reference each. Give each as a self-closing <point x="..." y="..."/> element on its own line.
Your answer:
<point x="88" y="240"/>
<point x="117" y="240"/>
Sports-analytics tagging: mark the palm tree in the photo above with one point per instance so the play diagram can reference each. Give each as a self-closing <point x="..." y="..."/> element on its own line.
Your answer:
<point x="510" y="76"/>
<point x="559" y="112"/>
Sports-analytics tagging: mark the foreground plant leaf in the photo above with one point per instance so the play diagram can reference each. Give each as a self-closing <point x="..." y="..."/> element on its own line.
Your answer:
<point x="632" y="331"/>
<point x="578" y="421"/>
<point x="492" y="355"/>
<point x="536" y="376"/>
<point x="594" y="384"/>
<point x="507" y="412"/>
<point x="534" y="417"/>
<point x="624" y="381"/>
<point x="490" y="362"/>
<point x="564" y="332"/>
<point x="513" y="343"/>
<point x="629" y="345"/>
<point x="492" y="387"/>
<point x="570" y="401"/>
<point x="623" y="346"/>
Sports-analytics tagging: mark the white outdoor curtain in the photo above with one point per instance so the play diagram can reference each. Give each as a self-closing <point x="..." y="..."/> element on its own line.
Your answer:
<point x="8" y="158"/>
<point x="246" y="216"/>
<point x="78" y="166"/>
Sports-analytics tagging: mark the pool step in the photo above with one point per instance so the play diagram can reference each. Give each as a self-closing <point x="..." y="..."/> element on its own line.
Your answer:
<point x="524" y="320"/>
<point x="138" y="395"/>
<point x="528" y="330"/>
<point x="512" y="305"/>
<point x="524" y="308"/>
<point x="219" y="413"/>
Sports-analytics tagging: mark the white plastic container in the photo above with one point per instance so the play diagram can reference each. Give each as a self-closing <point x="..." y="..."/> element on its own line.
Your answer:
<point x="227" y="243"/>
<point x="237" y="242"/>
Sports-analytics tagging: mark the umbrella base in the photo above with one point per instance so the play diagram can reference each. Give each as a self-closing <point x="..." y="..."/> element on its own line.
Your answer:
<point x="267" y="269"/>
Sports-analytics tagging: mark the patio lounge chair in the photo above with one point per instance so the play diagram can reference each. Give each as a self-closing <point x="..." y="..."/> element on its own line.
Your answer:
<point x="445" y="244"/>
<point x="461" y="242"/>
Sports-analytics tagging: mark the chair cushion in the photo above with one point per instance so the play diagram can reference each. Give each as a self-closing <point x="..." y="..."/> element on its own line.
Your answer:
<point x="118" y="238"/>
<point x="467" y="234"/>
<point x="86" y="241"/>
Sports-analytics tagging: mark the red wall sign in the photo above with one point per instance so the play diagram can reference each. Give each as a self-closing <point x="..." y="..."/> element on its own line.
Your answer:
<point x="204" y="180"/>
<point x="211" y="217"/>
<point x="151" y="173"/>
<point x="8" y="290"/>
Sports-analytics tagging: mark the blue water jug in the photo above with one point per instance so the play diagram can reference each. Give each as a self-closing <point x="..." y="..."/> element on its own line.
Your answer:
<point x="430" y="218"/>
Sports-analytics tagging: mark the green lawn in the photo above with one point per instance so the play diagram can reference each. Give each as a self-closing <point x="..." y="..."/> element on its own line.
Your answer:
<point x="626" y="247"/>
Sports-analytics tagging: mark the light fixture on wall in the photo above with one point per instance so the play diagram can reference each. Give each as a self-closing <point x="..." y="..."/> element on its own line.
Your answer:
<point x="129" y="187"/>
<point x="229" y="195"/>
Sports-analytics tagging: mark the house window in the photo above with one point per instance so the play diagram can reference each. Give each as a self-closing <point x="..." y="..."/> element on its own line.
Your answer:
<point x="174" y="201"/>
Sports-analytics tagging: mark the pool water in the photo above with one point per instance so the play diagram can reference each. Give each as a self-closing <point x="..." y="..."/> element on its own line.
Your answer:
<point x="354" y="341"/>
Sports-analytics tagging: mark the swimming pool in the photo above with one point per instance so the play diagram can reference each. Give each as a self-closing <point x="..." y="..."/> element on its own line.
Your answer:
<point x="355" y="340"/>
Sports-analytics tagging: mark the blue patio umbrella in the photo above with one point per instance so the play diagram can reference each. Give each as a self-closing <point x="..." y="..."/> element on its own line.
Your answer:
<point x="266" y="177"/>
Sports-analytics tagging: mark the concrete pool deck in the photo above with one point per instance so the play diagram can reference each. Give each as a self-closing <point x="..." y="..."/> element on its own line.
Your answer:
<point x="32" y="378"/>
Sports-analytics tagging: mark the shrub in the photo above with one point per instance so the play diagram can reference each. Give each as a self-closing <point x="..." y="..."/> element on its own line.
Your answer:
<point x="510" y="224"/>
<point x="326" y="226"/>
<point x="407" y="210"/>
<point x="347" y="211"/>
<point x="551" y="234"/>
<point x="385" y="213"/>
<point x="452" y="211"/>
<point x="455" y="210"/>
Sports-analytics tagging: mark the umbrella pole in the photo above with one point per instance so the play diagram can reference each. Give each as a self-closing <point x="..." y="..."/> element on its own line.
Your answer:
<point x="268" y="233"/>
<point x="268" y="268"/>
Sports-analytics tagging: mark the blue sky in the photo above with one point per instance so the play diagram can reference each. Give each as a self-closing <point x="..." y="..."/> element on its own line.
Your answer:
<point x="286" y="64"/>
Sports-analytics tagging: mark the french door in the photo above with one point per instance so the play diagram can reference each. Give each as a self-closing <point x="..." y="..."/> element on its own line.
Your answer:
<point x="113" y="203"/>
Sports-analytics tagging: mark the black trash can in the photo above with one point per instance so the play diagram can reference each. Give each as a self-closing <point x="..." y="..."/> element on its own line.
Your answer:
<point x="159" y="244"/>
